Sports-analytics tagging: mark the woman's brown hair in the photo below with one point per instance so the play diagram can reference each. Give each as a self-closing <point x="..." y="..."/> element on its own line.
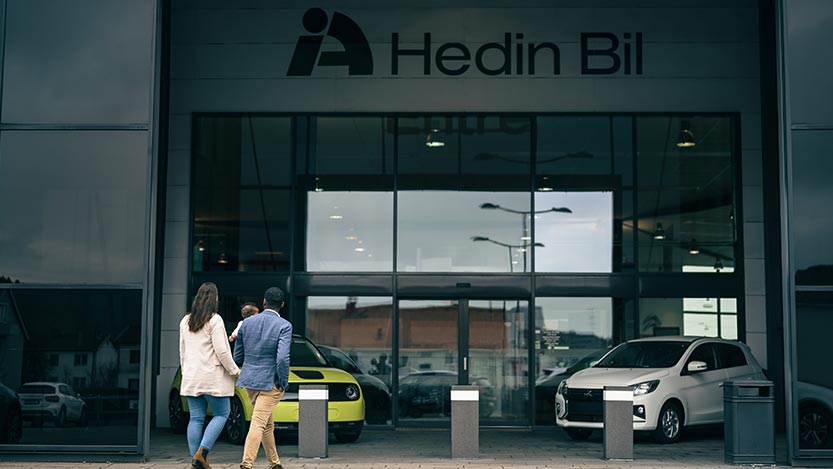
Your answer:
<point x="203" y="307"/>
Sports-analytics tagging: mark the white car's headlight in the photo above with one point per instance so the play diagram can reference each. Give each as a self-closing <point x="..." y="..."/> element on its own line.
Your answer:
<point x="645" y="388"/>
<point x="562" y="387"/>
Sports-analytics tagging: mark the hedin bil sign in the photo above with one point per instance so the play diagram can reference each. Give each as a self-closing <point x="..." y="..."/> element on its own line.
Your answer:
<point x="601" y="53"/>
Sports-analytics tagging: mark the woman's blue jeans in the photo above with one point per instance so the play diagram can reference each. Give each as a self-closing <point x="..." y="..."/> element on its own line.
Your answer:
<point x="220" y="406"/>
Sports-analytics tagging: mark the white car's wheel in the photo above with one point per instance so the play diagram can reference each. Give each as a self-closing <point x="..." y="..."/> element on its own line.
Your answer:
<point x="814" y="427"/>
<point x="669" y="424"/>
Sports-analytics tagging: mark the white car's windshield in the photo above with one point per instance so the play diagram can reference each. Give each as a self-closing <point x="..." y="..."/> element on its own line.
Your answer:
<point x="645" y="355"/>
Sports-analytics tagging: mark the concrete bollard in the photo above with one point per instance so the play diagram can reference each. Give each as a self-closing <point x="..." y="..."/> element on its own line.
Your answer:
<point x="618" y="422"/>
<point x="465" y="422"/>
<point x="312" y="421"/>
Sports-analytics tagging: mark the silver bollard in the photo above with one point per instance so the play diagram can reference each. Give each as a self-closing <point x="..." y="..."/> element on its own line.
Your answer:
<point x="618" y="422"/>
<point x="465" y="422"/>
<point x="312" y="421"/>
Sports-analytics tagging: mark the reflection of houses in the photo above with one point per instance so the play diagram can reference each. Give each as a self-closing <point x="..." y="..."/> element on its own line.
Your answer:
<point x="85" y="362"/>
<point x="431" y="327"/>
<point x="13" y="336"/>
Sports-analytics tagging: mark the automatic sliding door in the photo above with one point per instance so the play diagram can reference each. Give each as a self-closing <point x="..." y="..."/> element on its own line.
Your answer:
<point x="428" y="359"/>
<point x="498" y="360"/>
<point x="448" y="342"/>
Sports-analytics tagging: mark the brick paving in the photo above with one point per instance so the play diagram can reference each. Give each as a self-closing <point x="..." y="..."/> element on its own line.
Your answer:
<point x="430" y="449"/>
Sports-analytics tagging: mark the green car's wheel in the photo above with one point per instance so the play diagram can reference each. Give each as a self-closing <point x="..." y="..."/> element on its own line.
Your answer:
<point x="348" y="437"/>
<point x="236" y="426"/>
<point x="177" y="416"/>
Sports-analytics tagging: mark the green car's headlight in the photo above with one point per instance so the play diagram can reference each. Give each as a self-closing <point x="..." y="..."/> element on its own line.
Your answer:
<point x="352" y="392"/>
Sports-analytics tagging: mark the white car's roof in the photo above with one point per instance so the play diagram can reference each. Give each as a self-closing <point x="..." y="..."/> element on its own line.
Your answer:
<point x="678" y="338"/>
<point x="42" y="383"/>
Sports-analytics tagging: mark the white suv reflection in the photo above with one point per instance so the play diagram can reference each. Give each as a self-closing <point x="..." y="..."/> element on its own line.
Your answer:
<point x="676" y="382"/>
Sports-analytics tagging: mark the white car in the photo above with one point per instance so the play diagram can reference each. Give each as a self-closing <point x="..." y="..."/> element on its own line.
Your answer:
<point x="676" y="382"/>
<point x="55" y="402"/>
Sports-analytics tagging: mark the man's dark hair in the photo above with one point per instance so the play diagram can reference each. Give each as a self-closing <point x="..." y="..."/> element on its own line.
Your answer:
<point x="273" y="298"/>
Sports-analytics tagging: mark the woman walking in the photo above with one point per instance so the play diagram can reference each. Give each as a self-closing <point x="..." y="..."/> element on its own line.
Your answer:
<point x="208" y="372"/>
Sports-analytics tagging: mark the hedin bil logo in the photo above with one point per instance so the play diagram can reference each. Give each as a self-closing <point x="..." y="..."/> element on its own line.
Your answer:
<point x="601" y="53"/>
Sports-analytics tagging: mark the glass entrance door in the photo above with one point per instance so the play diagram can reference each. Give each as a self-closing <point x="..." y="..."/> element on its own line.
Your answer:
<point x="448" y="342"/>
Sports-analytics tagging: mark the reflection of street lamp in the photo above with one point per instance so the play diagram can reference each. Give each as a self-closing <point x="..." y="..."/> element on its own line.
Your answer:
<point x="509" y="247"/>
<point x="566" y="156"/>
<point x="524" y="214"/>
<point x="491" y="206"/>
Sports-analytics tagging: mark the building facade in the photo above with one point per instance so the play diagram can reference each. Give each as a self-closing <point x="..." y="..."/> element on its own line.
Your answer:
<point x="492" y="192"/>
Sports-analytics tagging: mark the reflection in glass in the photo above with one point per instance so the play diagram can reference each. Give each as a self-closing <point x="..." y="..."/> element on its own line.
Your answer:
<point x="498" y="361"/>
<point x="814" y="386"/>
<point x="58" y="69"/>
<point x="73" y="357"/>
<point x="580" y="240"/>
<point x="569" y="334"/>
<point x="572" y="145"/>
<point x="702" y="317"/>
<point x="354" y="333"/>
<point x="75" y="210"/>
<point x="443" y="152"/>
<point x="240" y="193"/>
<point x="811" y="170"/>
<point x="352" y="145"/>
<point x="442" y="231"/>
<point x="428" y="353"/>
<point x="349" y="231"/>
<point x="686" y="195"/>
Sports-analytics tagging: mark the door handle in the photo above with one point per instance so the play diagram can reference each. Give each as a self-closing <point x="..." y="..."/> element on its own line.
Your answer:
<point x="465" y="363"/>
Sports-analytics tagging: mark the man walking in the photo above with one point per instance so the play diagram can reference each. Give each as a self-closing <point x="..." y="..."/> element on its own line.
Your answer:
<point x="262" y="351"/>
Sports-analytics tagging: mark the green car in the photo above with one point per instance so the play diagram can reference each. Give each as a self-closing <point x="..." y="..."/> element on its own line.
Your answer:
<point x="307" y="366"/>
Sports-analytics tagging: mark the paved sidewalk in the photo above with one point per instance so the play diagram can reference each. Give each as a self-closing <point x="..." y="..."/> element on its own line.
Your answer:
<point x="429" y="449"/>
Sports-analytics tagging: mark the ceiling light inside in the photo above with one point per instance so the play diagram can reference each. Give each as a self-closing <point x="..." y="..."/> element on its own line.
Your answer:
<point x="685" y="139"/>
<point x="431" y="140"/>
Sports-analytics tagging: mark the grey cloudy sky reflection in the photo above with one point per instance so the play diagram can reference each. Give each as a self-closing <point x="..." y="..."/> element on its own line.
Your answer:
<point x="58" y="69"/>
<point x="74" y="208"/>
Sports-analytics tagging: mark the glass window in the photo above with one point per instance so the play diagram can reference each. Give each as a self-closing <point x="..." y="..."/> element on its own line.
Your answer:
<point x="574" y="232"/>
<point x="443" y="152"/>
<point x="589" y="160"/>
<point x="730" y="356"/>
<point x="570" y="333"/>
<point x="349" y="231"/>
<point x="654" y="354"/>
<point x="811" y="170"/>
<point x="58" y="69"/>
<point x="704" y="353"/>
<point x="355" y="334"/>
<point x="686" y="195"/>
<point x="574" y="145"/>
<point x="67" y="324"/>
<point x="814" y="386"/>
<point x="240" y="193"/>
<point x="352" y="145"/>
<point x="703" y="317"/>
<point x="455" y="231"/>
<point x="79" y="206"/>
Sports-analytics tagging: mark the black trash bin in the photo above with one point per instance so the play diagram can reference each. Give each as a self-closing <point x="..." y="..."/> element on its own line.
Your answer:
<point x="749" y="422"/>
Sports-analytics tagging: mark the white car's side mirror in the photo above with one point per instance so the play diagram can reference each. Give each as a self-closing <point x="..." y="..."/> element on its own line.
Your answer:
<point x="696" y="366"/>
